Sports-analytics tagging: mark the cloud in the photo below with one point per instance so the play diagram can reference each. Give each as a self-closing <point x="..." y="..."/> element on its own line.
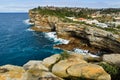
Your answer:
<point x="24" y="6"/>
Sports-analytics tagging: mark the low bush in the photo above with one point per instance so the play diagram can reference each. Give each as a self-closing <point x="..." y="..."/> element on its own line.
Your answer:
<point x="64" y="55"/>
<point x="113" y="70"/>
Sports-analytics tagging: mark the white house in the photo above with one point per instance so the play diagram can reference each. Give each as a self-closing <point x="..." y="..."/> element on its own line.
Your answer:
<point x="92" y="22"/>
<point x="71" y="18"/>
<point x="103" y="25"/>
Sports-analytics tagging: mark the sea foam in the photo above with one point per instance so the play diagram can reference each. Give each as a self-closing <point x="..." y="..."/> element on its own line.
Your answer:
<point x="29" y="29"/>
<point x="53" y="36"/>
<point x="27" y="22"/>
<point x="84" y="52"/>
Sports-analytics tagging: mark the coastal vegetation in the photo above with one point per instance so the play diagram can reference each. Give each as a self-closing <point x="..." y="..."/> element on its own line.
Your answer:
<point x="65" y="55"/>
<point x="113" y="70"/>
<point x="102" y="15"/>
<point x="63" y="12"/>
<point x="110" y="10"/>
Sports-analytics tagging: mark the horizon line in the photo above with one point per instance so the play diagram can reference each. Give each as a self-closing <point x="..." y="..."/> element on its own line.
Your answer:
<point x="58" y="7"/>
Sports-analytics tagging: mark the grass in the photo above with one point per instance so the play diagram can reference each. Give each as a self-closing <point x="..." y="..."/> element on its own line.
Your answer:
<point x="113" y="70"/>
<point x="64" y="55"/>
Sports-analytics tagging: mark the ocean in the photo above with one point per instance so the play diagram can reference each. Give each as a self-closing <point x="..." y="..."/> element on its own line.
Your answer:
<point x="19" y="44"/>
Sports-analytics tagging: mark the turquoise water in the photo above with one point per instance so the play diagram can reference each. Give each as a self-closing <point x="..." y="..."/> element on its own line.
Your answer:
<point x="18" y="45"/>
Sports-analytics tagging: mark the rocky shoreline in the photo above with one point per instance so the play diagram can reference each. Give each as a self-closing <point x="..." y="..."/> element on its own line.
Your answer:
<point x="56" y="67"/>
<point x="80" y="35"/>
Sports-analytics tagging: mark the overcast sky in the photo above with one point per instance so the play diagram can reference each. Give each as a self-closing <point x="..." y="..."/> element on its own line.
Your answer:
<point x="25" y="5"/>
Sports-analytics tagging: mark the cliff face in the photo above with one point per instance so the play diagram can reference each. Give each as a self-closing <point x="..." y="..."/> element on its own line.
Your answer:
<point x="43" y="22"/>
<point x="77" y="33"/>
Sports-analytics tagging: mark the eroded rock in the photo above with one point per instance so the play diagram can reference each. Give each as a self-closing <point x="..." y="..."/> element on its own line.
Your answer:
<point x="35" y="65"/>
<point x="112" y="59"/>
<point x="10" y="72"/>
<point x="48" y="62"/>
<point x="88" y="71"/>
<point x="61" y="67"/>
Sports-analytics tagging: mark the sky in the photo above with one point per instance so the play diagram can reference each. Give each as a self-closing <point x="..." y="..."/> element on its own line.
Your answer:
<point x="25" y="5"/>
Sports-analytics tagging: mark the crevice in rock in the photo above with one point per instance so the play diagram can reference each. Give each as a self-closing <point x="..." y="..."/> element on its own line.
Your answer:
<point x="52" y="25"/>
<point x="50" y="68"/>
<point x="3" y="70"/>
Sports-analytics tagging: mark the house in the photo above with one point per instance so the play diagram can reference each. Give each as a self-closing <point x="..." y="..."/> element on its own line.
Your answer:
<point x="95" y="15"/>
<point x="75" y="19"/>
<point x="92" y="22"/>
<point x="103" y="25"/>
<point x="71" y="18"/>
<point x="82" y="19"/>
<point x="114" y="24"/>
<point x="117" y="19"/>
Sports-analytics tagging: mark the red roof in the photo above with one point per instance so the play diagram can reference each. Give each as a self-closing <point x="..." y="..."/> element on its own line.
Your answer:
<point x="81" y="18"/>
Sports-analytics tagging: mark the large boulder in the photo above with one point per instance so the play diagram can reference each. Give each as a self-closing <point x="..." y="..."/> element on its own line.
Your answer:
<point x="35" y="70"/>
<point x="35" y="65"/>
<point x="75" y="56"/>
<point x="61" y="67"/>
<point x="112" y="59"/>
<point x="50" y="61"/>
<point x="36" y="74"/>
<point x="88" y="71"/>
<point x="10" y="72"/>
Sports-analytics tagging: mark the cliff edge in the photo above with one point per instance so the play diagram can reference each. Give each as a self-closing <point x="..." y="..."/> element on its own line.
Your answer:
<point x="81" y="35"/>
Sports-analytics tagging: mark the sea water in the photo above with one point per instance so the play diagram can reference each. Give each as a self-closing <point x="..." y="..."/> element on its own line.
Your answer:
<point x="19" y="44"/>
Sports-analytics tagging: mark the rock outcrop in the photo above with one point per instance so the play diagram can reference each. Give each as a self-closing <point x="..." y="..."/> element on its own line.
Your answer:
<point x="89" y="71"/>
<point x="50" y="61"/>
<point x="92" y="36"/>
<point x="10" y="72"/>
<point x="112" y="59"/>
<point x="43" y="22"/>
<point x="55" y="68"/>
<point x="78" y="34"/>
<point x="76" y="66"/>
<point x="35" y="70"/>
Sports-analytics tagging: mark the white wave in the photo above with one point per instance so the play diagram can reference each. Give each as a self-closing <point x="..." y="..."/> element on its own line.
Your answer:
<point x="29" y="29"/>
<point x="84" y="52"/>
<point x="53" y="36"/>
<point x="27" y="21"/>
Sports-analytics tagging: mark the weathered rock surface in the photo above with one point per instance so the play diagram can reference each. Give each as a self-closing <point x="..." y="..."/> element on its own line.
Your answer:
<point x="40" y="74"/>
<point x="112" y="59"/>
<point x="92" y="36"/>
<point x="35" y="70"/>
<point x="10" y="72"/>
<point x="76" y="66"/>
<point x="60" y="68"/>
<point x="35" y="64"/>
<point x="43" y="22"/>
<point x="48" y="62"/>
<point x="89" y="71"/>
<point x="55" y="68"/>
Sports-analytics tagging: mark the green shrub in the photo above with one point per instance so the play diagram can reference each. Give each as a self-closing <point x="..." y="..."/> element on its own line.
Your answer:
<point x="64" y="55"/>
<point x="118" y="26"/>
<point x="113" y="70"/>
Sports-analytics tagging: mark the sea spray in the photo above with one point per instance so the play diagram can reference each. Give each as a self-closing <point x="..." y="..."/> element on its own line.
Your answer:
<point x="53" y="36"/>
<point x="27" y="21"/>
<point x="84" y="52"/>
<point x="29" y="29"/>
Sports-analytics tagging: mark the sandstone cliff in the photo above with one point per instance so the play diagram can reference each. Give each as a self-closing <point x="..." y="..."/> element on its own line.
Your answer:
<point x="80" y="35"/>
